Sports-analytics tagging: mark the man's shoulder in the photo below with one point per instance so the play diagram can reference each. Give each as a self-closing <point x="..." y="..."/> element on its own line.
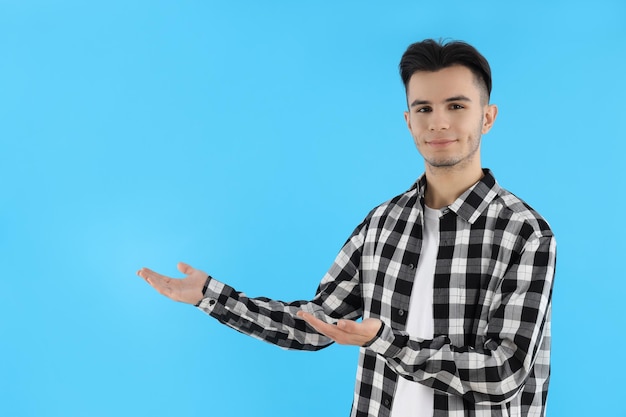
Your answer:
<point x="512" y="207"/>
<point x="396" y="205"/>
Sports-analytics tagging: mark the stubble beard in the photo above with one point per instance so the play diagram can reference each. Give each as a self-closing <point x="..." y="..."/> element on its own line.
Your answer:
<point x="459" y="160"/>
<point x="456" y="160"/>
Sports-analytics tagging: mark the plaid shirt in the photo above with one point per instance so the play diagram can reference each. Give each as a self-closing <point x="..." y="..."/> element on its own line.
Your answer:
<point x="490" y="355"/>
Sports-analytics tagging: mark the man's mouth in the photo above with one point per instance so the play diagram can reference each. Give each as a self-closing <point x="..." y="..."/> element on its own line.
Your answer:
<point x="440" y="143"/>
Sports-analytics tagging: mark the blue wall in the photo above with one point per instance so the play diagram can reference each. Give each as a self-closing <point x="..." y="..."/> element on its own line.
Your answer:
<point x="248" y="139"/>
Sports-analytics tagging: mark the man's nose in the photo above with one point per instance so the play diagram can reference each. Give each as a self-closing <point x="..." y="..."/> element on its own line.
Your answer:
<point x="438" y="121"/>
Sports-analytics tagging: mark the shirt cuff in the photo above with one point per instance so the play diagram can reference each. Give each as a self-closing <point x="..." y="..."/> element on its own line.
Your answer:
<point x="211" y="291"/>
<point x="387" y="343"/>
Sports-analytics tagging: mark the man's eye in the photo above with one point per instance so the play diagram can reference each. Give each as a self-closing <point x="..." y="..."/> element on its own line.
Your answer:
<point x="457" y="107"/>
<point x="424" y="110"/>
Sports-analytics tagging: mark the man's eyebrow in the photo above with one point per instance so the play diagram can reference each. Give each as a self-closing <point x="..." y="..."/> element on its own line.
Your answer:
<point x="457" y="98"/>
<point x="418" y="102"/>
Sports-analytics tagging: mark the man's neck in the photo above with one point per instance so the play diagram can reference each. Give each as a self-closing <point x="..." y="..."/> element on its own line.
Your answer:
<point x="445" y="185"/>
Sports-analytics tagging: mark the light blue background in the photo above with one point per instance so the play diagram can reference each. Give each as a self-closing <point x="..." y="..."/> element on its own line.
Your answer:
<point x="248" y="139"/>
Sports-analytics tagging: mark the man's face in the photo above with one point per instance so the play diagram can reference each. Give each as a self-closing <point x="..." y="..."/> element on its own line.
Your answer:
<point x="447" y="116"/>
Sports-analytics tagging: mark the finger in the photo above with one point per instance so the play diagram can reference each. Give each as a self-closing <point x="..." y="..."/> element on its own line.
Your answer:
<point x="158" y="281"/>
<point x="342" y="326"/>
<point x="346" y="332"/>
<point x="349" y="326"/>
<point x="184" y="268"/>
<point x="310" y="319"/>
<point x="321" y="326"/>
<point x="145" y="273"/>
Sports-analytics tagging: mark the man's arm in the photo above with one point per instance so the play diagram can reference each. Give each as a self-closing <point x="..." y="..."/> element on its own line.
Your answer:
<point x="338" y="297"/>
<point x="272" y="321"/>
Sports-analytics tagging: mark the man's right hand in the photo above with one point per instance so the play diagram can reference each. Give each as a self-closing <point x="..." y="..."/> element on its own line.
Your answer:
<point x="186" y="290"/>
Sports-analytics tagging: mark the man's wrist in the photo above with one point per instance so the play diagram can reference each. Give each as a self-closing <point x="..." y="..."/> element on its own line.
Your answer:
<point x="204" y="289"/>
<point x="378" y="334"/>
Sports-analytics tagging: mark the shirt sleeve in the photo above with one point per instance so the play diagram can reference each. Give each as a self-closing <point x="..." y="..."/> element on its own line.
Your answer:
<point x="338" y="297"/>
<point x="516" y="334"/>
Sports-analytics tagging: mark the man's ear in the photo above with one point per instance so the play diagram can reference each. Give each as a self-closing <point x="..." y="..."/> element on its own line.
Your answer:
<point x="490" y="117"/>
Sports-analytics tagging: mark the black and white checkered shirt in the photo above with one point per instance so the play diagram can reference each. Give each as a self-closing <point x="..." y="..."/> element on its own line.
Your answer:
<point x="490" y="355"/>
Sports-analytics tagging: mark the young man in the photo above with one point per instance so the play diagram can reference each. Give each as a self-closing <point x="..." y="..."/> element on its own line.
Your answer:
<point x="453" y="278"/>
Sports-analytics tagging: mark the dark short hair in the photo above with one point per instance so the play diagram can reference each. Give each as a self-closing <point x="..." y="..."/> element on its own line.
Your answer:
<point x="430" y="55"/>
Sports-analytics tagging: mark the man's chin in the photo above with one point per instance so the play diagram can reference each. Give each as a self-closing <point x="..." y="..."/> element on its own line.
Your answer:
<point x="443" y="163"/>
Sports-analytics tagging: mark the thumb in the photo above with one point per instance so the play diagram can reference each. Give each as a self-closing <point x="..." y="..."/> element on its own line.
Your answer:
<point x="348" y="326"/>
<point x="184" y="268"/>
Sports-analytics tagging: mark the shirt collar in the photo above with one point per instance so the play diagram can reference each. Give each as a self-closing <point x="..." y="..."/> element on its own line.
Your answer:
<point x="473" y="202"/>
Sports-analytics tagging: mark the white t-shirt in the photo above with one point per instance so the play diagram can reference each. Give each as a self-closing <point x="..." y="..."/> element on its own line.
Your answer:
<point x="413" y="399"/>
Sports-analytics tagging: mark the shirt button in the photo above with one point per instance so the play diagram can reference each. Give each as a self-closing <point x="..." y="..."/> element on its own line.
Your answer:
<point x="411" y="266"/>
<point x="401" y="312"/>
<point x="387" y="402"/>
<point x="211" y="302"/>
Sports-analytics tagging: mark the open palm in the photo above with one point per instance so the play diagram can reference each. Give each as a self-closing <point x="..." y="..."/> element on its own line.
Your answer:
<point x="186" y="290"/>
